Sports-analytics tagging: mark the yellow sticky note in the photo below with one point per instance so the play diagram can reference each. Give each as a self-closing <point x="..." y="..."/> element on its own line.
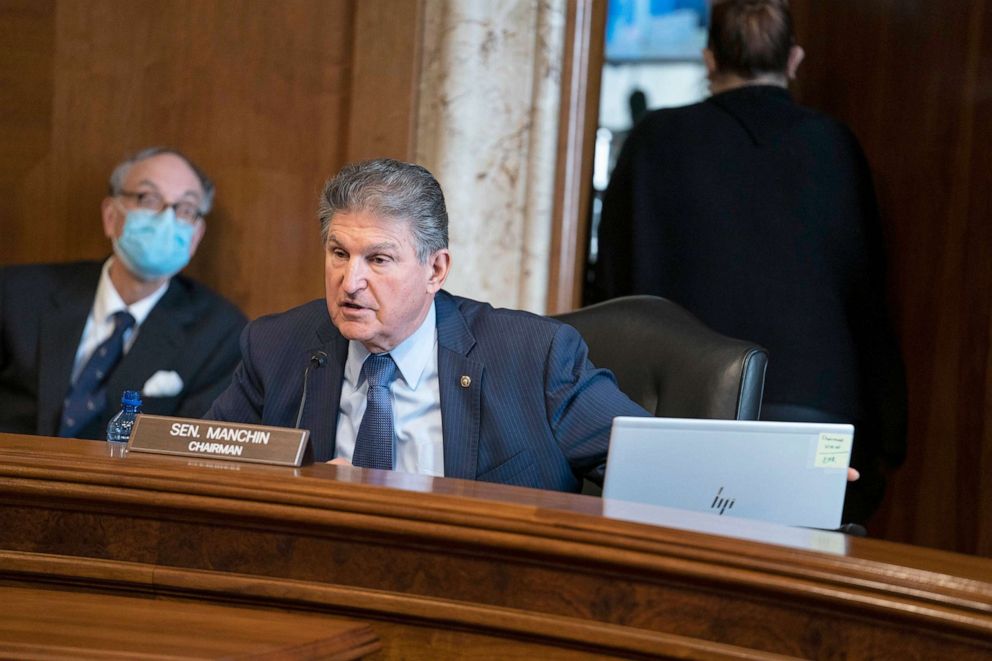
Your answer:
<point x="833" y="450"/>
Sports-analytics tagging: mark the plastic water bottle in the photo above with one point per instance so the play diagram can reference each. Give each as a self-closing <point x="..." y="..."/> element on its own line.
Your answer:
<point x="119" y="427"/>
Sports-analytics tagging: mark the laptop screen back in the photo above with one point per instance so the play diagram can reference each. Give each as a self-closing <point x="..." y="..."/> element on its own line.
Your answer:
<point x="783" y="472"/>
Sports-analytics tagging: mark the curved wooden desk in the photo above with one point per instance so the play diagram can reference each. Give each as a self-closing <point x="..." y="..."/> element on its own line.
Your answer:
<point x="445" y="568"/>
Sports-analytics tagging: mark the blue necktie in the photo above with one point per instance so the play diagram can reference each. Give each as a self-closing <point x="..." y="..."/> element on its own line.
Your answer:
<point x="374" y="444"/>
<point x="88" y="396"/>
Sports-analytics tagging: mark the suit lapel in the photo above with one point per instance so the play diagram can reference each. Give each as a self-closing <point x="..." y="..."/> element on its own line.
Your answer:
<point x="460" y="380"/>
<point x="62" y="325"/>
<point x="320" y="414"/>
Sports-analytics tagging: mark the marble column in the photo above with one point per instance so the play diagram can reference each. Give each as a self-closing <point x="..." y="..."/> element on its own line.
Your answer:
<point x="487" y="128"/>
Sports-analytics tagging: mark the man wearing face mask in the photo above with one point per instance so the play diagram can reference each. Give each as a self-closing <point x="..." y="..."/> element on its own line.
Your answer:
<point x="74" y="336"/>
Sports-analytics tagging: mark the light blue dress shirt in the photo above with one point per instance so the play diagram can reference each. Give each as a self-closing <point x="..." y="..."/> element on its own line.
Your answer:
<point x="416" y="396"/>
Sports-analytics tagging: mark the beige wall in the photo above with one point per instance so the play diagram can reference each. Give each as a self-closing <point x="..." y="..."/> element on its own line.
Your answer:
<point x="488" y="128"/>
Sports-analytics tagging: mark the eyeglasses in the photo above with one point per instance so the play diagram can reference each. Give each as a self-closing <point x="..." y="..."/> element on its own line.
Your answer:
<point x="186" y="212"/>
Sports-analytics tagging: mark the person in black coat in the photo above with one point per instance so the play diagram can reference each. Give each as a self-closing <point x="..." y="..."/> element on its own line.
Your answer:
<point x="759" y="216"/>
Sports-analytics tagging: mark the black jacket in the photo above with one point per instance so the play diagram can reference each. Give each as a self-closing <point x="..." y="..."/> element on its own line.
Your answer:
<point x="759" y="216"/>
<point x="43" y="310"/>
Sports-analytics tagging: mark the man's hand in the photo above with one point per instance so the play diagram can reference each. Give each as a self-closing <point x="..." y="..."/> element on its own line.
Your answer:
<point x="341" y="461"/>
<point x="852" y="474"/>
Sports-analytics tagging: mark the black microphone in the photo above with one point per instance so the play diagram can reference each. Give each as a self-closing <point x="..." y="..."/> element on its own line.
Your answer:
<point x="317" y="360"/>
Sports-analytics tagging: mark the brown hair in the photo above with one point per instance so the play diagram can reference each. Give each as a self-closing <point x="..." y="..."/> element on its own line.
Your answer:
<point x="751" y="37"/>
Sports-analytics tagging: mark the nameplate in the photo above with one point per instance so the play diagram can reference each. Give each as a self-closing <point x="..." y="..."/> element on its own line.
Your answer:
<point x="208" y="439"/>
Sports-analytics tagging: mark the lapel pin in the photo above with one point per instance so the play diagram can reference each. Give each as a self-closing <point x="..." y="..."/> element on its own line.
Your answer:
<point x="466" y="381"/>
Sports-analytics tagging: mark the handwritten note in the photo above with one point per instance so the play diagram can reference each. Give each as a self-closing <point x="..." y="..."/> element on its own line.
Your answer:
<point x="833" y="450"/>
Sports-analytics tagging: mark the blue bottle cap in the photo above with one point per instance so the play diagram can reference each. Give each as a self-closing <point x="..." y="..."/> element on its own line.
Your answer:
<point x="131" y="398"/>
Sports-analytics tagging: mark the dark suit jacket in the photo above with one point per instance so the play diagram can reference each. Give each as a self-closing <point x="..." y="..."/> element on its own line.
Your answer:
<point x="536" y="412"/>
<point x="43" y="310"/>
<point x="759" y="216"/>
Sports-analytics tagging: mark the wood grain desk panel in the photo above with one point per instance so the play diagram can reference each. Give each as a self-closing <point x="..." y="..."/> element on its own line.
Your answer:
<point x="55" y="623"/>
<point x="427" y="559"/>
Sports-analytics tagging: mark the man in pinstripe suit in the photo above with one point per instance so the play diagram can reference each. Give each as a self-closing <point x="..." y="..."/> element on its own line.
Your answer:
<point x="479" y="393"/>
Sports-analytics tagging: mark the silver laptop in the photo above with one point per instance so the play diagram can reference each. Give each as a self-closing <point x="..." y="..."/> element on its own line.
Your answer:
<point x="793" y="473"/>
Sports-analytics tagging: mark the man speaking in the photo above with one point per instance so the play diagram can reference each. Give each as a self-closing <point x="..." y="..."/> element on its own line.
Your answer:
<point x="391" y="371"/>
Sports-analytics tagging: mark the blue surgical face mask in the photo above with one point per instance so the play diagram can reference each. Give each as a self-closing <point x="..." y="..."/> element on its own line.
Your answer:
<point x="154" y="245"/>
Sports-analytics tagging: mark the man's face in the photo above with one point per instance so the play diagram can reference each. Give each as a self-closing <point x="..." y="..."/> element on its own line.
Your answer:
<point x="378" y="292"/>
<point x="169" y="177"/>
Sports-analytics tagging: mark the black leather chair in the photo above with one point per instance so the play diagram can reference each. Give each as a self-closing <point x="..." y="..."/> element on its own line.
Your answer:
<point x="672" y="364"/>
<point x="669" y="362"/>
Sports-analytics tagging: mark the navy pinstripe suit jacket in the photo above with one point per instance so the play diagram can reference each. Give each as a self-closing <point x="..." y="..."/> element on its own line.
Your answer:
<point x="536" y="414"/>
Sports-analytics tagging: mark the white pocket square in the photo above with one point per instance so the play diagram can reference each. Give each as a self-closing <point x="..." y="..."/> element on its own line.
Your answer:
<point x="163" y="384"/>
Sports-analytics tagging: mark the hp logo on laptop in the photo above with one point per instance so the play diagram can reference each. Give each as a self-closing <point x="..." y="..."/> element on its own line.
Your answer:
<point x="721" y="503"/>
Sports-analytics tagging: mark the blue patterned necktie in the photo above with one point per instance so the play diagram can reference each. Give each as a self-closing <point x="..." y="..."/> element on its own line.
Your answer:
<point x="88" y="396"/>
<point x="374" y="444"/>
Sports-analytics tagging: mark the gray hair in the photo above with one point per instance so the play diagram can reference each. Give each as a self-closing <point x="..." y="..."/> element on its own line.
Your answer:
<point x="117" y="177"/>
<point x="390" y="189"/>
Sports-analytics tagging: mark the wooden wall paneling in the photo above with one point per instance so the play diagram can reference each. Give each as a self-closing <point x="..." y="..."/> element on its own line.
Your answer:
<point x="585" y="38"/>
<point x="257" y="93"/>
<point x="911" y="79"/>
<point x="978" y="461"/>
<point x="974" y="469"/>
<point x="273" y="91"/>
<point x="27" y="38"/>
<point x="386" y="63"/>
